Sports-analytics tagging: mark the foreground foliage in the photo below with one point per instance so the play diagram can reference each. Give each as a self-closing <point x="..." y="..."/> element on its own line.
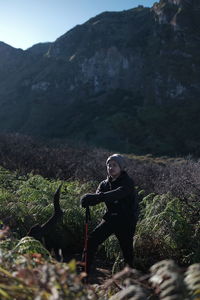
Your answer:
<point x="31" y="276"/>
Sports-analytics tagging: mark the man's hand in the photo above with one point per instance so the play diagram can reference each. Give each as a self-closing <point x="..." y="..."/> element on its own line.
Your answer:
<point x="90" y="200"/>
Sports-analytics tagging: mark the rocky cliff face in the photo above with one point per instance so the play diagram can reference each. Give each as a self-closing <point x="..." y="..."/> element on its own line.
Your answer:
<point x="177" y="69"/>
<point x="115" y="64"/>
<point x="179" y="13"/>
<point x="106" y="51"/>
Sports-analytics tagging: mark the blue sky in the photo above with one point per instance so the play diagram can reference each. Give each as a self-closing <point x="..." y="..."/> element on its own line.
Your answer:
<point x="24" y="23"/>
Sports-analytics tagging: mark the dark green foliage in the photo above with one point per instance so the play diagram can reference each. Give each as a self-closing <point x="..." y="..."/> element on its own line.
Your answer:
<point x="120" y="123"/>
<point x="29" y="245"/>
<point x="167" y="230"/>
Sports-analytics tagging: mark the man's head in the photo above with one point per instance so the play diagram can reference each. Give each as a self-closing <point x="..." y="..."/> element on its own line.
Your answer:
<point x="115" y="165"/>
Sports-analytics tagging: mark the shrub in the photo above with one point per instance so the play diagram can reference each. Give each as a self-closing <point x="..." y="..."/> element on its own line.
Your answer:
<point x="29" y="245"/>
<point x="165" y="230"/>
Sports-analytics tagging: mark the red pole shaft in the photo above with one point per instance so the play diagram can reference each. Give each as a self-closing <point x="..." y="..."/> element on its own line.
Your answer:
<point x="86" y="247"/>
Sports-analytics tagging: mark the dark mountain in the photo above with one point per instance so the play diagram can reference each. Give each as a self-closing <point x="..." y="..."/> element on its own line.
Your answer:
<point x="39" y="49"/>
<point x="128" y="81"/>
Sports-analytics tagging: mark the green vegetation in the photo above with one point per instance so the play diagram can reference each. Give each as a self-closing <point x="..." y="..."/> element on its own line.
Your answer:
<point x="166" y="229"/>
<point x="168" y="226"/>
<point x="31" y="246"/>
<point x="120" y="121"/>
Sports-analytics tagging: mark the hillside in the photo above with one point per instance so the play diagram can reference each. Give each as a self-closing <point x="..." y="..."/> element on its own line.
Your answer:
<point x="126" y="81"/>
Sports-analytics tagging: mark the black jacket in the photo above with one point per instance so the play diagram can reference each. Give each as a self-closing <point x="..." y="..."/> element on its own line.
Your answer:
<point x="119" y="197"/>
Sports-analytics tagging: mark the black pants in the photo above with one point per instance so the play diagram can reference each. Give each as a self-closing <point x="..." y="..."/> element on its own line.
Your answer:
<point x="124" y="233"/>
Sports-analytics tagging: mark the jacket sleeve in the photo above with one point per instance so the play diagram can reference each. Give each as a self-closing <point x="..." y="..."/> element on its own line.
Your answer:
<point x="100" y="188"/>
<point x="117" y="194"/>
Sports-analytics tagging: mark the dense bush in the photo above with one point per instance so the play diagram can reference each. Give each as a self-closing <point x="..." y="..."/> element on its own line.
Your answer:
<point x="166" y="230"/>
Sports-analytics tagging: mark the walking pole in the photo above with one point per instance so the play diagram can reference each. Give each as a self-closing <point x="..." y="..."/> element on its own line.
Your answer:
<point x="87" y="219"/>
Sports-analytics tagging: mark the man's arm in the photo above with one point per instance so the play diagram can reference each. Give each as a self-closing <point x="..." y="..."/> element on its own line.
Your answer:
<point x="117" y="194"/>
<point x="107" y="197"/>
<point x="101" y="188"/>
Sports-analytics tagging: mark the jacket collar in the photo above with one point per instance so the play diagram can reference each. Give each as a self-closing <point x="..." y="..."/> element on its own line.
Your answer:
<point x="121" y="176"/>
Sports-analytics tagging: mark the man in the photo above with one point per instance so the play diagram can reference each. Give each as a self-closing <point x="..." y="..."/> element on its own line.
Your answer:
<point x="118" y="193"/>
